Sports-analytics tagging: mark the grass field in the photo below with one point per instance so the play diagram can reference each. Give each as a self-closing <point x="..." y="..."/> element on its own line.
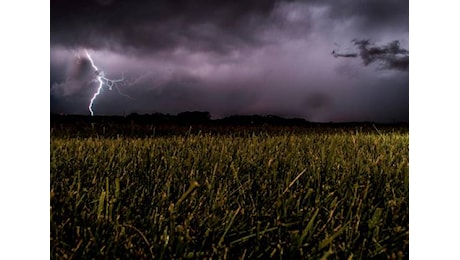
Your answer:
<point x="335" y="195"/>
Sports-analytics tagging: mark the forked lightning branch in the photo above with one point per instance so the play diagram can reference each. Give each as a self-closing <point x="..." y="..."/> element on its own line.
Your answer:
<point x="103" y="81"/>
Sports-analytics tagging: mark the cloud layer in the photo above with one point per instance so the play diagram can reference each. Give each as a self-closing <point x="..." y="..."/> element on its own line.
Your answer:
<point x="228" y="57"/>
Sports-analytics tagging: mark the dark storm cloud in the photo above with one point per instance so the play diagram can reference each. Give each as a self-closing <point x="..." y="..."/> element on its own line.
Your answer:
<point x="215" y="26"/>
<point x="344" y="55"/>
<point x="370" y="14"/>
<point x="231" y="57"/>
<point x="143" y="26"/>
<point x="154" y="25"/>
<point x="389" y="56"/>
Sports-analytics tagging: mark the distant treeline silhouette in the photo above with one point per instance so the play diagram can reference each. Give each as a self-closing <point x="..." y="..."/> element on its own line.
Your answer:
<point x="187" y="118"/>
<point x="193" y="122"/>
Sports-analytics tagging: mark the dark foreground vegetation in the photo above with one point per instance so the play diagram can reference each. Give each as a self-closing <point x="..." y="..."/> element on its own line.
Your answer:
<point x="307" y="191"/>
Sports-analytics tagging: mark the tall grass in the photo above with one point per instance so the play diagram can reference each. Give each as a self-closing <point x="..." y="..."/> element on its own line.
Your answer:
<point x="335" y="195"/>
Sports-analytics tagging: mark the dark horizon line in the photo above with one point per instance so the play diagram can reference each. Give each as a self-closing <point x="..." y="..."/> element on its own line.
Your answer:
<point x="204" y="116"/>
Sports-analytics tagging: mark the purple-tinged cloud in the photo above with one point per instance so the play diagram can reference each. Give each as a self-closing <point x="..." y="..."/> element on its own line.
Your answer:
<point x="231" y="57"/>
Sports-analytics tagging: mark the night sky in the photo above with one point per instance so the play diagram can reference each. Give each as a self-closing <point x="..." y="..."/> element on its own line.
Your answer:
<point x="330" y="60"/>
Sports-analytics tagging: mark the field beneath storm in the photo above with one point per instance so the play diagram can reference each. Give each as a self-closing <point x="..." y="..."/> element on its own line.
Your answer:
<point x="229" y="192"/>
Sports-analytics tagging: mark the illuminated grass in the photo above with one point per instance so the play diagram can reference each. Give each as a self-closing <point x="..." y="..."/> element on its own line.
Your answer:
<point x="335" y="195"/>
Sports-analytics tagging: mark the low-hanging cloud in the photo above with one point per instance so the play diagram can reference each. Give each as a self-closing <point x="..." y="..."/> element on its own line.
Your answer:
<point x="344" y="55"/>
<point x="389" y="56"/>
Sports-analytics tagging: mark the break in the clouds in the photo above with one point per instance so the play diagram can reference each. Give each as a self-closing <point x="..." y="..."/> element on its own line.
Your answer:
<point x="233" y="57"/>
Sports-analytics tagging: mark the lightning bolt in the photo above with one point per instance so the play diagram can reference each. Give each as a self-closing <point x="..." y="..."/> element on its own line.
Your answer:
<point x="102" y="81"/>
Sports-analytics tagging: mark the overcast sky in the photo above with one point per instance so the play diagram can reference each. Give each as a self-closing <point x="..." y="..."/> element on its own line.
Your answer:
<point x="337" y="60"/>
